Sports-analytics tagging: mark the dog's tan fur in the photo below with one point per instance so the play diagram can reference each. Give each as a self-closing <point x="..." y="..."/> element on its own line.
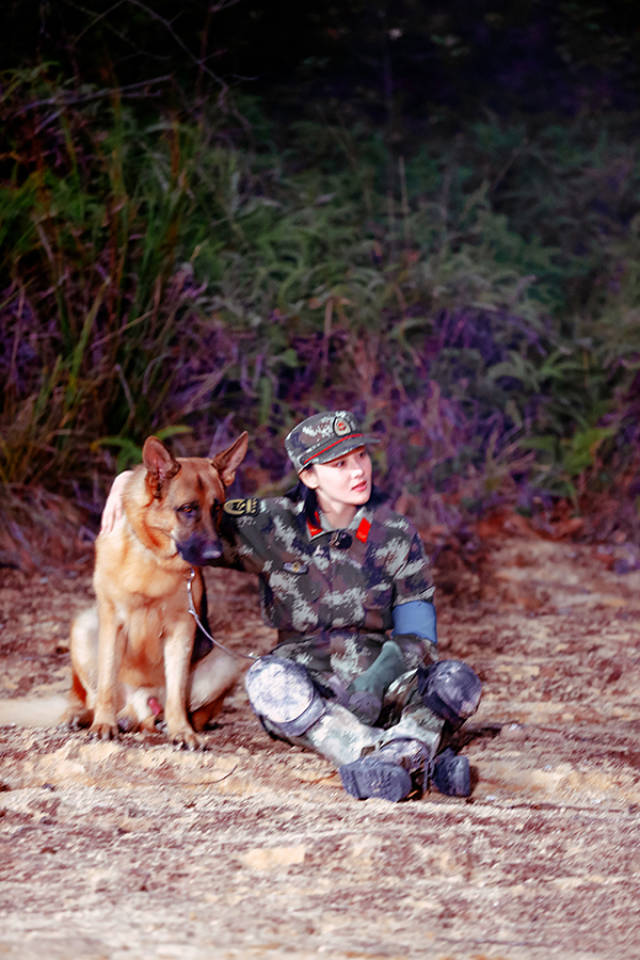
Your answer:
<point x="131" y="652"/>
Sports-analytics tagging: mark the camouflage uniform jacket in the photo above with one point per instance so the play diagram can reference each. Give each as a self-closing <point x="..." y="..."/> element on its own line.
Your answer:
<point x="329" y="593"/>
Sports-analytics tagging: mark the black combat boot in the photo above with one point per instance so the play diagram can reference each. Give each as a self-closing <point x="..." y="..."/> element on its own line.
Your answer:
<point x="373" y="776"/>
<point x="450" y="774"/>
<point x="401" y="768"/>
<point x="389" y="772"/>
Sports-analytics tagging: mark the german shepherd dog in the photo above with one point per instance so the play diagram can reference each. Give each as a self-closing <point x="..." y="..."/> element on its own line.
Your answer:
<point x="132" y="653"/>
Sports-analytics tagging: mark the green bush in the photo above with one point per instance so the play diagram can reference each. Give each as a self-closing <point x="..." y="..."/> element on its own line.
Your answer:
<point x="475" y="300"/>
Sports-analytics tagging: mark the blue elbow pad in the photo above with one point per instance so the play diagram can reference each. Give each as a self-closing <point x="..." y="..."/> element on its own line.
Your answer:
<point x="417" y="617"/>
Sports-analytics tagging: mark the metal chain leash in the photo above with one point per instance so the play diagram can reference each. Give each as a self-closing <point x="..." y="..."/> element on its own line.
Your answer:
<point x="194" y="614"/>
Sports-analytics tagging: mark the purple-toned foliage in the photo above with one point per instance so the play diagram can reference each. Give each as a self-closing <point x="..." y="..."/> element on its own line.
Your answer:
<point x="130" y="308"/>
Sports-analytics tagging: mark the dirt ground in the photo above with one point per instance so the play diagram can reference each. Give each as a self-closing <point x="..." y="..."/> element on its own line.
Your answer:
<point x="252" y="849"/>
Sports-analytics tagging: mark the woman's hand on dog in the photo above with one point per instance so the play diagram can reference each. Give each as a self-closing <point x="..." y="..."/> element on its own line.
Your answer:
<point x="113" y="509"/>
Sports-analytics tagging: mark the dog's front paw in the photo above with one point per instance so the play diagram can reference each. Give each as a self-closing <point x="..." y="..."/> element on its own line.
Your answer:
<point x="186" y="739"/>
<point x="104" y="731"/>
<point x="76" y="718"/>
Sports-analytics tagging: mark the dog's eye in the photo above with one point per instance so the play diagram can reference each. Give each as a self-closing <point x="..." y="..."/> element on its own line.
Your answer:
<point x="188" y="509"/>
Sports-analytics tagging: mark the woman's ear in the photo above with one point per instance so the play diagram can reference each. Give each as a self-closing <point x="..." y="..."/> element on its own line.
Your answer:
<point x="309" y="478"/>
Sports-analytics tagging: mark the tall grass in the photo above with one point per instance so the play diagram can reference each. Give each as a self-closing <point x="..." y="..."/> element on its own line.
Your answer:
<point x="475" y="300"/>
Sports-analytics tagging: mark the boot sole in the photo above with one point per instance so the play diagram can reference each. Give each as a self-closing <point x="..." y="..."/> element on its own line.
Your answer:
<point x="374" y="778"/>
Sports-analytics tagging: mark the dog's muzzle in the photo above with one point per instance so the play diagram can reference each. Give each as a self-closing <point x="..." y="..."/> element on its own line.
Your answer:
<point x="199" y="551"/>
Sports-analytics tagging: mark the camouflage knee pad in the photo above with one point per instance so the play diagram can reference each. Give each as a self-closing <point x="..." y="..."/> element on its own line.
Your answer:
<point x="283" y="694"/>
<point x="451" y="689"/>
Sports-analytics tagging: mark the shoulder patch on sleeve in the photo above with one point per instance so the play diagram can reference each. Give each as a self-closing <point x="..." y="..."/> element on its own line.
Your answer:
<point x="247" y="507"/>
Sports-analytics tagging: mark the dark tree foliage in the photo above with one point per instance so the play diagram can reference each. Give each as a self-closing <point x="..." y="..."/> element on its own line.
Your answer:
<point x="535" y="55"/>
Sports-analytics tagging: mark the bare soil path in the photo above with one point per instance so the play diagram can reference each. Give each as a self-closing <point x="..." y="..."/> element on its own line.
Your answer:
<point x="251" y="849"/>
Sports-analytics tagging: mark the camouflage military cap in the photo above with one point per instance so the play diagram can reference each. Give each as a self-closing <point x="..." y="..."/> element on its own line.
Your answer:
<point x="324" y="437"/>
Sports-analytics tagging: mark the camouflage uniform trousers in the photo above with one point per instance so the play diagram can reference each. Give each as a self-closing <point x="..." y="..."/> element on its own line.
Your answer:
<point x="333" y="660"/>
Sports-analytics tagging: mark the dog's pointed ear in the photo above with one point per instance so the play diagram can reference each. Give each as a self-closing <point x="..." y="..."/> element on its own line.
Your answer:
<point x="227" y="461"/>
<point x="161" y="465"/>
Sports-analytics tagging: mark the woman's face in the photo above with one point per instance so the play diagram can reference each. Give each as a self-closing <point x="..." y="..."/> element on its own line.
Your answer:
<point x="345" y="481"/>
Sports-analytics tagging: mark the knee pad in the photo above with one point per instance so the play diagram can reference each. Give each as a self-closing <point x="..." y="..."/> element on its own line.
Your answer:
<point x="451" y="689"/>
<point x="282" y="693"/>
